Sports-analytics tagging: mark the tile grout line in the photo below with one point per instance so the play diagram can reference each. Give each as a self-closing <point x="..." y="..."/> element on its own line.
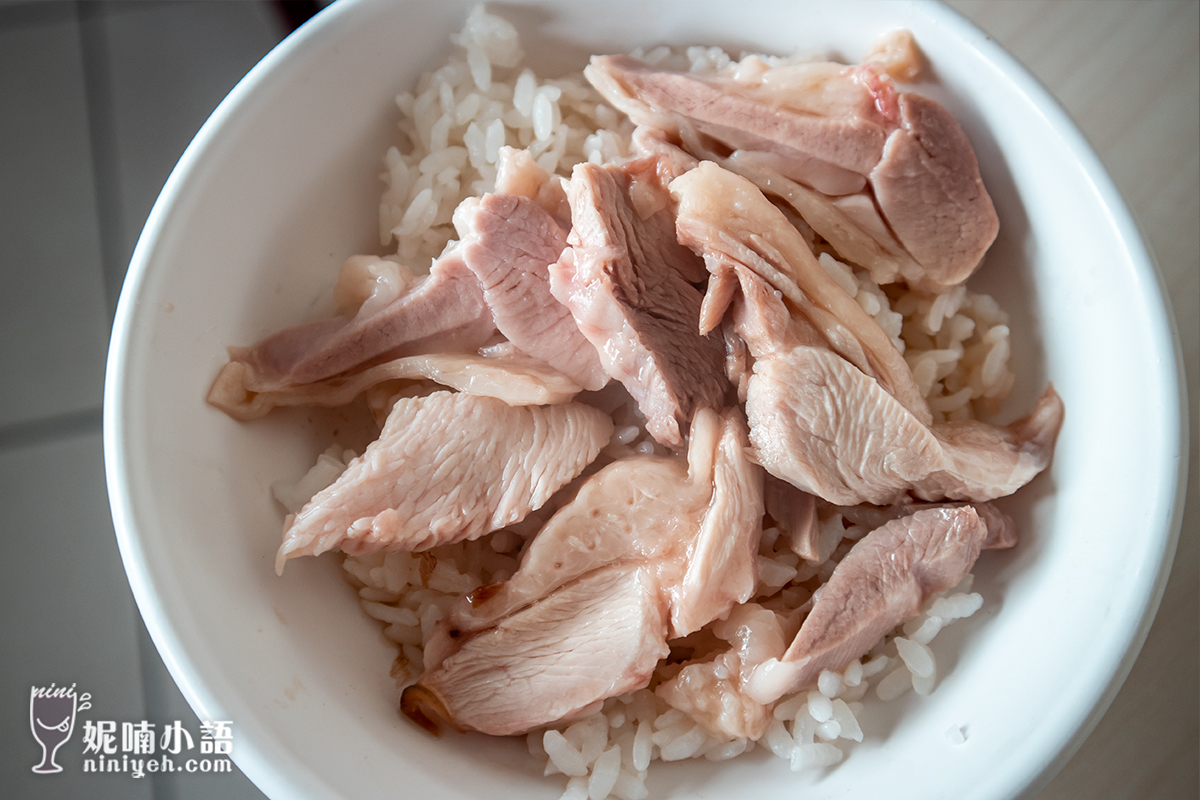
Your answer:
<point x="95" y="55"/>
<point x="102" y="135"/>
<point x="34" y="432"/>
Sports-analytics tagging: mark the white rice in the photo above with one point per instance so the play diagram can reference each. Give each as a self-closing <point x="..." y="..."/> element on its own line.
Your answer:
<point x="956" y="344"/>
<point x="459" y="117"/>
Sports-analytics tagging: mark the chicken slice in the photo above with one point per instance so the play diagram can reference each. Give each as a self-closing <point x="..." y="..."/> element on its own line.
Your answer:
<point x="885" y="580"/>
<point x="442" y="312"/>
<point x="823" y="426"/>
<point x="928" y="186"/>
<point x="728" y="221"/>
<point x="597" y="637"/>
<point x="628" y="283"/>
<point x="445" y="468"/>
<point x="889" y="178"/>
<point x="1002" y="531"/>
<point x="832" y="151"/>
<point x="689" y="530"/>
<point x="510" y="244"/>
<point x="722" y="567"/>
<point x="694" y="523"/>
<point x="513" y="377"/>
<point x="710" y="692"/>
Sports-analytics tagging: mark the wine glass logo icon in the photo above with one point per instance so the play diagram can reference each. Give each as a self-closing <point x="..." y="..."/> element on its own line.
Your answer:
<point x="52" y="719"/>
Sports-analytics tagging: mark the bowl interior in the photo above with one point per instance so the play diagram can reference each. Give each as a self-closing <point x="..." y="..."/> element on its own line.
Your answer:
<point x="282" y="184"/>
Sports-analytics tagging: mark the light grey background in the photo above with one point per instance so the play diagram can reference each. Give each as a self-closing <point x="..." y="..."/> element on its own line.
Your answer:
<point x="97" y="101"/>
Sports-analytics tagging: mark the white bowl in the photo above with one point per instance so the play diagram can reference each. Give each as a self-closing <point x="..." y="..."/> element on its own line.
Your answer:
<point x="281" y="184"/>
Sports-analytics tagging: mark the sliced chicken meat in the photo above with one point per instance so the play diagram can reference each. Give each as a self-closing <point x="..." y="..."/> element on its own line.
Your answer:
<point x="510" y="245"/>
<point x="442" y="312"/>
<point x="833" y="147"/>
<point x="826" y="428"/>
<point x="722" y="562"/>
<point x="495" y="279"/>
<point x="447" y="467"/>
<point x="820" y="424"/>
<point x="928" y="186"/>
<point x="519" y="175"/>
<point x="629" y="285"/>
<point x="885" y="579"/>
<point x="851" y="223"/>
<point x="840" y="131"/>
<point x="1002" y="531"/>
<point x="641" y="507"/>
<point x="690" y="528"/>
<point x="696" y="522"/>
<point x="795" y="514"/>
<point x="513" y="377"/>
<point x="595" y="638"/>
<point x="711" y="692"/>
<point x="728" y="221"/>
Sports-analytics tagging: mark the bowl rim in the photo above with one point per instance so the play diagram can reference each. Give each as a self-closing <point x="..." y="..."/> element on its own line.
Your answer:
<point x="260" y="761"/>
<point x="1166" y="333"/>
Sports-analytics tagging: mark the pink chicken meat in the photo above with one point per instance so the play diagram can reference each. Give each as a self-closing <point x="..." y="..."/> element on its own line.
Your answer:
<point x="447" y="467"/>
<point x="883" y="581"/>
<point x="629" y="285"/>
<point x="681" y="535"/>
<point x="886" y="170"/>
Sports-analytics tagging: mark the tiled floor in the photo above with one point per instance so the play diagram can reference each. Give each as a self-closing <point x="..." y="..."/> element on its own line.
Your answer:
<point x="97" y="101"/>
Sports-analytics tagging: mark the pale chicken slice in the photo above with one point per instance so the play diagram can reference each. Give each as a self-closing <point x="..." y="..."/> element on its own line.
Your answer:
<point x="795" y="514"/>
<point x="754" y="321"/>
<point x="442" y="312"/>
<point x="519" y="175"/>
<point x="928" y="187"/>
<point x="833" y="147"/>
<point x="688" y="530"/>
<point x="695" y="524"/>
<point x="510" y="244"/>
<point x="597" y="637"/>
<point x="1002" y="531"/>
<point x="728" y="221"/>
<point x="642" y="507"/>
<point x="882" y="174"/>
<point x="851" y="224"/>
<point x="885" y="579"/>
<point x="515" y="378"/>
<point x="722" y="562"/>
<point x="710" y="692"/>
<point x="445" y="468"/>
<point x="407" y="327"/>
<point x="629" y="286"/>
<point x="820" y="424"/>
